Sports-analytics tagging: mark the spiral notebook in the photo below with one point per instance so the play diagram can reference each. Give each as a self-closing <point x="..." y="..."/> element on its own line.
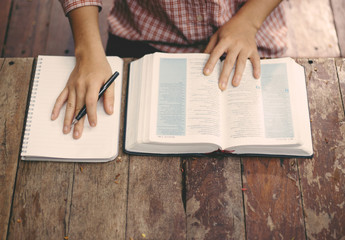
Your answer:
<point x="43" y="138"/>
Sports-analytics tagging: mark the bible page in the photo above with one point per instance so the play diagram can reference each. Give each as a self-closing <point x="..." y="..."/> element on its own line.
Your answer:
<point x="258" y="112"/>
<point x="187" y="109"/>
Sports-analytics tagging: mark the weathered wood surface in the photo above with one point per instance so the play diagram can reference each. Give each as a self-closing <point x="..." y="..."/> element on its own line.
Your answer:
<point x="5" y="6"/>
<point x="311" y="30"/>
<point x="173" y="198"/>
<point x="323" y="176"/>
<point x="42" y="199"/>
<point x="40" y="27"/>
<point x="155" y="206"/>
<point x="59" y="39"/>
<point x="214" y="203"/>
<point x="272" y="199"/>
<point x="15" y="76"/>
<point x="28" y="30"/>
<point x="338" y="7"/>
<point x="340" y="64"/>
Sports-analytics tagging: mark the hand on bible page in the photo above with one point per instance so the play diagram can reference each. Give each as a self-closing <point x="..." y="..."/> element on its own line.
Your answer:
<point x="237" y="40"/>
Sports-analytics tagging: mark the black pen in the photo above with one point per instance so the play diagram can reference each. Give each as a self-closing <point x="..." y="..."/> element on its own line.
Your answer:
<point x="82" y="112"/>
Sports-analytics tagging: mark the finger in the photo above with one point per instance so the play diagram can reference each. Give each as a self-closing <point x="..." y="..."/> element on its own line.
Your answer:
<point x="211" y="44"/>
<point x="240" y="66"/>
<point x="78" y="128"/>
<point x="70" y="109"/>
<point x="226" y="71"/>
<point x="80" y="100"/>
<point x="108" y="96"/>
<point x="255" y="60"/>
<point x="62" y="98"/>
<point x="216" y="53"/>
<point x="91" y="105"/>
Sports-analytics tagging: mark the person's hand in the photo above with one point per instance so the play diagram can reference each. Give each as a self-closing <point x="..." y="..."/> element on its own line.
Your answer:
<point x="85" y="81"/>
<point x="236" y="38"/>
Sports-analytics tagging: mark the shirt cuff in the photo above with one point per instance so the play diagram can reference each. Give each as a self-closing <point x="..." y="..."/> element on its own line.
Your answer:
<point x="69" y="5"/>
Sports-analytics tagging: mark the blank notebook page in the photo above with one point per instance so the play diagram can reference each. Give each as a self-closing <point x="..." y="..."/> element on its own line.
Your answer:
<point x="44" y="139"/>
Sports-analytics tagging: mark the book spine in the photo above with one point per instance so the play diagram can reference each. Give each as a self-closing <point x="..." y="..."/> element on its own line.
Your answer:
<point x="31" y="107"/>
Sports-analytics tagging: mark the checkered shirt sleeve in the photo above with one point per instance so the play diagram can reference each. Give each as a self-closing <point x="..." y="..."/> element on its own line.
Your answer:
<point x="69" y="5"/>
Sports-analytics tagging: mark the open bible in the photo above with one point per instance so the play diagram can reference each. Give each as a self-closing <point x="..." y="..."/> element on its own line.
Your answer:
<point x="173" y="108"/>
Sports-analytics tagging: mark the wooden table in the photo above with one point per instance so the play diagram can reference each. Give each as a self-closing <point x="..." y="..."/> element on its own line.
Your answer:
<point x="136" y="197"/>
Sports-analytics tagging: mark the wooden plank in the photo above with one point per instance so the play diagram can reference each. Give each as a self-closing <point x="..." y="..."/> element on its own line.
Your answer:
<point x="323" y="176"/>
<point x="340" y="64"/>
<point x="155" y="207"/>
<point x="14" y="83"/>
<point x="5" y="7"/>
<point x="214" y="203"/>
<point x="99" y="200"/>
<point x="60" y="39"/>
<point x="42" y="200"/>
<point x="28" y="28"/>
<point x="311" y="30"/>
<point x="272" y="199"/>
<point x="338" y="7"/>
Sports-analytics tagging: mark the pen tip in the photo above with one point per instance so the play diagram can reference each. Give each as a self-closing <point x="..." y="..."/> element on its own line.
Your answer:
<point x="74" y="121"/>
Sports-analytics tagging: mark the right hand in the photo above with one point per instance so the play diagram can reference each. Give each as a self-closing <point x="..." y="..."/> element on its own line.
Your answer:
<point x="84" y="83"/>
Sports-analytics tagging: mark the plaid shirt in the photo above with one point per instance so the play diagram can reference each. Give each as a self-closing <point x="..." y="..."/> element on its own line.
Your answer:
<point x="184" y="26"/>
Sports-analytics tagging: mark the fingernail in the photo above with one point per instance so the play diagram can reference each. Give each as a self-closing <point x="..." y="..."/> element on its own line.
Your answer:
<point x="76" y="134"/>
<point x="257" y="75"/>
<point x="207" y="71"/>
<point x="237" y="81"/>
<point x="93" y="124"/>
<point x="111" y="108"/>
<point x="222" y="86"/>
<point x="65" y="129"/>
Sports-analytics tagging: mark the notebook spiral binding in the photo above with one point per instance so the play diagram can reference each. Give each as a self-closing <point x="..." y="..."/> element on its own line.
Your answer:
<point x="31" y="105"/>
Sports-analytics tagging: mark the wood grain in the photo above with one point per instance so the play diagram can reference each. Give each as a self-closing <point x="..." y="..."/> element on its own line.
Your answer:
<point x="214" y="203"/>
<point x="14" y="84"/>
<point x="340" y="65"/>
<point x="99" y="199"/>
<point x="323" y="176"/>
<point x="338" y="7"/>
<point x="59" y="39"/>
<point x="272" y="199"/>
<point x="28" y="30"/>
<point x="5" y="7"/>
<point x="311" y="30"/>
<point x="155" y="206"/>
<point x="42" y="201"/>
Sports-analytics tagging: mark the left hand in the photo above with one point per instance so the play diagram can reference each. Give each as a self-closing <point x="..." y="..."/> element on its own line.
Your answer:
<point x="236" y="38"/>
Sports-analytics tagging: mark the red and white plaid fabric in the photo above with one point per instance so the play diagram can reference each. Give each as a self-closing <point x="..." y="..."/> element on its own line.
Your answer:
<point x="184" y="26"/>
